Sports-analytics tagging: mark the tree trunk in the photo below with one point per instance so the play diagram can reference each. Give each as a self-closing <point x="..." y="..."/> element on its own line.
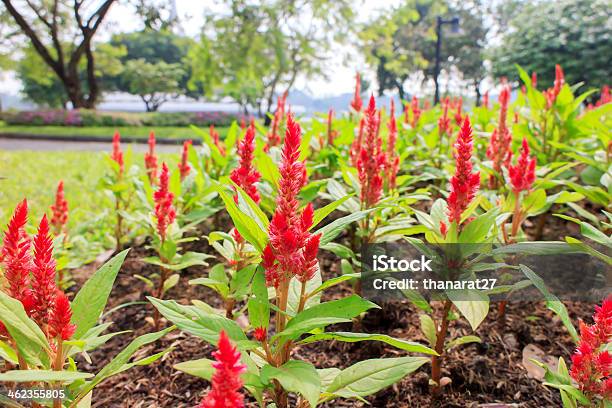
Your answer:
<point x="477" y="88"/>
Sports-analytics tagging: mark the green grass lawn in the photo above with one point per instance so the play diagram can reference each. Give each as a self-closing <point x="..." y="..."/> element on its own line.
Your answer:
<point x="126" y="131"/>
<point x="34" y="175"/>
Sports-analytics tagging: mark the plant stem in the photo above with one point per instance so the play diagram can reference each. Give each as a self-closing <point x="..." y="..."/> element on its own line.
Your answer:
<point x="58" y="365"/>
<point x="118" y="227"/>
<point x="436" y="361"/>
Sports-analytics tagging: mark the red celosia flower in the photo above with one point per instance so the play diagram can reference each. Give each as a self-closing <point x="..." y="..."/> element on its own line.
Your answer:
<point x="274" y="136"/>
<point x="458" y="115"/>
<point x="59" y="318"/>
<point x="444" y="126"/>
<point x="416" y="112"/>
<point x="534" y="80"/>
<point x="591" y="364"/>
<point x="260" y="333"/>
<point x="226" y="381"/>
<point x="245" y="174"/>
<point x="522" y="175"/>
<point x="183" y="166"/>
<point x="43" y="274"/>
<point x="443" y="229"/>
<point x="464" y="184"/>
<point x="604" y="97"/>
<point x="16" y="257"/>
<point x="215" y="138"/>
<point x="485" y="100"/>
<point x="501" y="138"/>
<point x="392" y="160"/>
<point x="164" y="210"/>
<point x="356" y="145"/>
<point x="331" y="133"/>
<point x="552" y="93"/>
<point x="242" y="123"/>
<point x="291" y="249"/>
<point x="59" y="210"/>
<point x="150" y="159"/>
<point x="117" y="154"/>
<point x="371" y="161"/>
<point x="357" y="103"/>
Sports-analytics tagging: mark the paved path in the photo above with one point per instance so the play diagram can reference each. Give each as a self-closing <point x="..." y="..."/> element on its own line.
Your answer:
<point x="58" y="145"/>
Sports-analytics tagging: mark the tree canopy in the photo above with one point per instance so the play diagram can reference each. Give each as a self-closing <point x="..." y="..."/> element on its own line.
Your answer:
<point x="576" y="34"/>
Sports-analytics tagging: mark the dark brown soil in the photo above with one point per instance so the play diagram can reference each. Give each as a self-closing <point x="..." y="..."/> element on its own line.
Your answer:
<point x="485" y="373"/>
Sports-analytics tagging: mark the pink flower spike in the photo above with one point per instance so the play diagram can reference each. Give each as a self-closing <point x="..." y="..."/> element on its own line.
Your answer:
<point x="245" y="175"/>
<point x="226" y="381"/>
<point x="59" y="210"/>
<point x="16" y="258"/>
<point x="164" y="209"/>
<point x="464" y="184"/>
<point x="150" y="159"/>
<point x="59" y="321"/>
<point x="117" y="154"/>
<point x="357" y="102"/>
<point x="43" y="274"/>
<point x="183" y="166"/>
<point x="522" y="175"/>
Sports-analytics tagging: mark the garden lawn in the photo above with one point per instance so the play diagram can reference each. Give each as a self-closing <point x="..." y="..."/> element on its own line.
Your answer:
<point x="35" y="175"/>
<point x="173" y="132"/>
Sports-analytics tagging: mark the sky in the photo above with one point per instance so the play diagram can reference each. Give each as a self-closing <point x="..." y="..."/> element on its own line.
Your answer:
<point x="341" y="73"/>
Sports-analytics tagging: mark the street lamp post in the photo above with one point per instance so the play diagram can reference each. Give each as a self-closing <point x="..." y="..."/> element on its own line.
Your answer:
<point x="454" y="28"/>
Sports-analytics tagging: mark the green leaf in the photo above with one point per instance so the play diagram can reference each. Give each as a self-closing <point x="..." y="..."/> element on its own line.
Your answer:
<point x="428" y="327"/>
<point x="320" y="213"/>
<point x="195" y="321"/>
<point x="593" y="233"/>
<point x="370" y="376"/>
<point x="335" y="281"/>
<point x="318" y="316"/>
<point x="295" y="376"/>
<point x="250" y="207"/>
<point x="333" y="229"/>
<point x="42" y="376"/>
<point x="473" y="305"/>
<point x="462" y="340"/>
<point x="535" y="201"/>
<point x="120" y="362"/>
<point x="552" y="302"/>
<point x="247" y="226"/>
<point x="349" y="337"/>
<point x="31" y="341"/>
<point x="180" y="262"/>
<point x="199" y="368"/>
<point x="477" y="230"/>
<point x="170" y="282"/>
<point x="258" y="305"/>
<point x="89" y="303"/>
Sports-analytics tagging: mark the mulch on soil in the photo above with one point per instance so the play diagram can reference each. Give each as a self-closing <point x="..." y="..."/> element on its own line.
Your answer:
<point x="483" y="374"/>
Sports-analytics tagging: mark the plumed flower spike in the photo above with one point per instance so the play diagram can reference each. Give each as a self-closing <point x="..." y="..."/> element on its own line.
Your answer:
<point x="183" y="166"/>
<point x="226" y="381"/>
<point x="357" y="102"/>
<point x="117" y="154"/>
<point x="245" y="174"/>
<point x="43" y="274"/>
<point x="591" y="362"/>
<point x="392" y="159"/>
<point x="164" y="209"/>
<point x="464" y="184"/>
<point x="16" y="258"/>
<point x="371" y="161"/>
<point x="522" y="175"/>
<point x="498" y="150"/>
<point x="59" y="321"/>
<point x="59" y="210"/>
<point x="150" y="159"/>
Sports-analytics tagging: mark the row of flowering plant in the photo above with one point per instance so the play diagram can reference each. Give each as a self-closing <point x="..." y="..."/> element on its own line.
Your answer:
<point x="42" y="332"/>
<point x="284" y="307"/>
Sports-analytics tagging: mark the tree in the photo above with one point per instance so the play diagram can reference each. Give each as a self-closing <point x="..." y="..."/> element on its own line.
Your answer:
<point x="154" y="83"/>
<point x="572" y="33"/>
<point x="257" y="50"/>
<point x="42" y="86"/>
<point x="402" y="43"/>
<point x="152" y="47"/>
<point x="45" y="24"/>
<point x="466" y="51"/>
